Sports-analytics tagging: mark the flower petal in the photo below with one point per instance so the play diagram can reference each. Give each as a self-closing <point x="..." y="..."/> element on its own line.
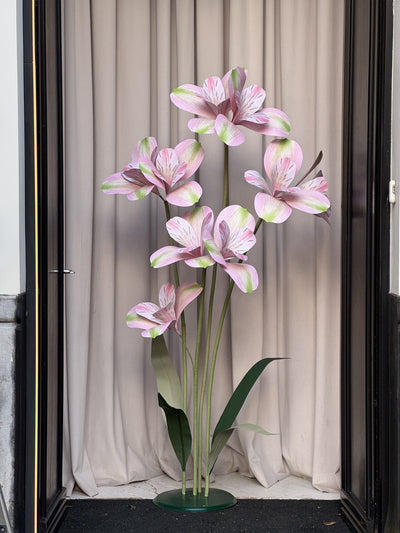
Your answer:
<point x="245" y="276"/>
<point x="254" y="178"/>
<point x="228" y="132"/>
<point x="150" y="172"/>
<point x="283" y="174"/>
<point x="190" y="152"/>
<point x="213" y="90"/>
<point x="278" y="124"/>
<point x="249" y="102"/>
<point x="202" y="125"/>
<point x="168" y="255"/>
<point x="237" y="217"/>
<point x="203" y="261"/>
<point x="169" y="168"/>
<point x="117" y="184"/>
<point x="317" y="184"/>
<point x="185" y="195"/>
<point x="166" y="295"/>
<point x="185" y="294"/>
<point x="312" y="202"/>
<point x="182" y="232"/>
<point x="279" y="149"/>
<point x="134" y="320"/>
<point x="190" y="98"/>
<point x="156" y="331"/>
<point x="271" y="209"/>
<point x="144" y="148"/>
<point x="214" y="251"/>
<point x="201" y="219"/>
<point x="240" y="242"/>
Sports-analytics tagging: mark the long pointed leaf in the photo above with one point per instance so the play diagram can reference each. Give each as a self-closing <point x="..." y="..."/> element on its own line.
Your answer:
<point x="240" y="394"/>
<point x="178" y="431"/>
<point x="168" y="382"/>
<point x="222" y="438"/>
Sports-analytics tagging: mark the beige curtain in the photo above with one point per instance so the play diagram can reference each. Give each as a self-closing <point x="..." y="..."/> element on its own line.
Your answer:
<point x="122" y="59"/>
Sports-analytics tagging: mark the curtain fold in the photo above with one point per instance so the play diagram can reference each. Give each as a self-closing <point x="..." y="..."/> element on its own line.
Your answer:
<point x="122" y="59"/>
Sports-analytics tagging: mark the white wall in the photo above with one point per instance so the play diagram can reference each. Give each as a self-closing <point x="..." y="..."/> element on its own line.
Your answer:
<point x="12" y="245"/>
<point x="395" y="221"/>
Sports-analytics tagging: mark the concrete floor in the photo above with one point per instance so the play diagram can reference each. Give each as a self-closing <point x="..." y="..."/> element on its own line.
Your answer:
<point x="290" y="488"/>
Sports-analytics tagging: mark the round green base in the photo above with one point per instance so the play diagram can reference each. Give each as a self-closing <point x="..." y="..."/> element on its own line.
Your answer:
<point x="216" y="500"/>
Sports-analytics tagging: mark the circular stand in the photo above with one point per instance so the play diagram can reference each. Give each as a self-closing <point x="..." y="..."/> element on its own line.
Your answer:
<point x="216" y="500"/>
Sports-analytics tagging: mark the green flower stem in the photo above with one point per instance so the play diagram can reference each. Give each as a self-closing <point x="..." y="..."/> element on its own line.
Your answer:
<point x="226" y="176"/>
<point x="196" y="458"/>
<point x="206" y="365"/>
<point x="183" y="338"/>
<point x="211" y="381"/>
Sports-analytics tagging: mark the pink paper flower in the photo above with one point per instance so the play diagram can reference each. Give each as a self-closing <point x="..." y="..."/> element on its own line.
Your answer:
<point x="233" y="236"/>
<point x="282" y="160"/>
<point x="163" y="172"/>
<point x="224" y="105"/>
<point x="154" y="319"/>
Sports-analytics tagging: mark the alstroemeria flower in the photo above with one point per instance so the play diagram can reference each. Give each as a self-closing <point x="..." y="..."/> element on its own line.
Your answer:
<point x="154" y="319"/>
<point x="164" y="172"/>
<point x="225" y="104"/>
<point x="233" y="237"/>
<point x="281" y="161"/>
<point x="189" y="231"/>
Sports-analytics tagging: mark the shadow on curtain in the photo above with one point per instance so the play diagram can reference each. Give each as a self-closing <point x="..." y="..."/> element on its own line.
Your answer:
<point x="122" y="59"/>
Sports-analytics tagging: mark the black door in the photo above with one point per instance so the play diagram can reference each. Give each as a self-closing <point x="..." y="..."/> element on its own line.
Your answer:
<point x="41" y="483"/>
<point x="365" y="302"/>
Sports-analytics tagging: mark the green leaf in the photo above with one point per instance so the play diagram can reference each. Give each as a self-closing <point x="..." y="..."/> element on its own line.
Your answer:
<point x="222" y="438"/>
<point x="168" y="382"/>
<point x="223" y="430"/>
<point x="178" y="431"/>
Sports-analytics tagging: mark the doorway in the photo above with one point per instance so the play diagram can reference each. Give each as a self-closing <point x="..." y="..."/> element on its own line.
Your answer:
<point x="373" y="14"/>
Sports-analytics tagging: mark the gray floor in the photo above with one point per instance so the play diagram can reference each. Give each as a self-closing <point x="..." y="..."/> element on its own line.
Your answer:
<point x="290" y="488"/>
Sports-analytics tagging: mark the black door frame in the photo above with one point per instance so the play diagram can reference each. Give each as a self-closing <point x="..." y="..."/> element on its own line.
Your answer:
<point x="39" y="380"/>
<point x="35" y="514"/>
<point x="366" y="320"/>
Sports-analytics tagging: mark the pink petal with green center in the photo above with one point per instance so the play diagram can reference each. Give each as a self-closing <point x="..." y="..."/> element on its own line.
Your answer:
<point x="312" y="202"/>
<point x="254" y="178"/>
<point x="190" y="98"/>
<point x="134" y="320"/>
<point x="168" y="166"/>
<point x="283" y="174"/>
<point x="240" y="241"/>
<point x="250" y="101"/>
<point x="150" y="171"/>
<point x="278" y="124"/>
<point x="228" y="132"/>
<point x="190" y="152"/>
<point x="144" y="148"/>
<point x="202" y="125"/>
<point x="168" y="255"/>
<point x="166" y="295"/>
<point x="244" y="276"/>
<point x="185" y="195"/>
<point x="116" y="184"/>
<point x="280" y="148"/>
<point x="185" y="294"/>
<point x="203" y="261"/>
<point x="237" y="217"/>
<point x="317" y="184"/>
<point x="182" y="232"/>
<point x="201" y="219"/>
<point x="156" y="331"/>
<point x="214" y="251"/>
<point x="214" y="91"/>
<point x="271" y="209"/>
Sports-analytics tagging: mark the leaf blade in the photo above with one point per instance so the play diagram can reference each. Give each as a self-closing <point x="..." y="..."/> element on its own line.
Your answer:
<point x="178" y="431"/>
<point x="168" y="382"/>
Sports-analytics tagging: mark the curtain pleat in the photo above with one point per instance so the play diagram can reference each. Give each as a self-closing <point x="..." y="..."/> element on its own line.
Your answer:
<point x="122" y="59"/>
